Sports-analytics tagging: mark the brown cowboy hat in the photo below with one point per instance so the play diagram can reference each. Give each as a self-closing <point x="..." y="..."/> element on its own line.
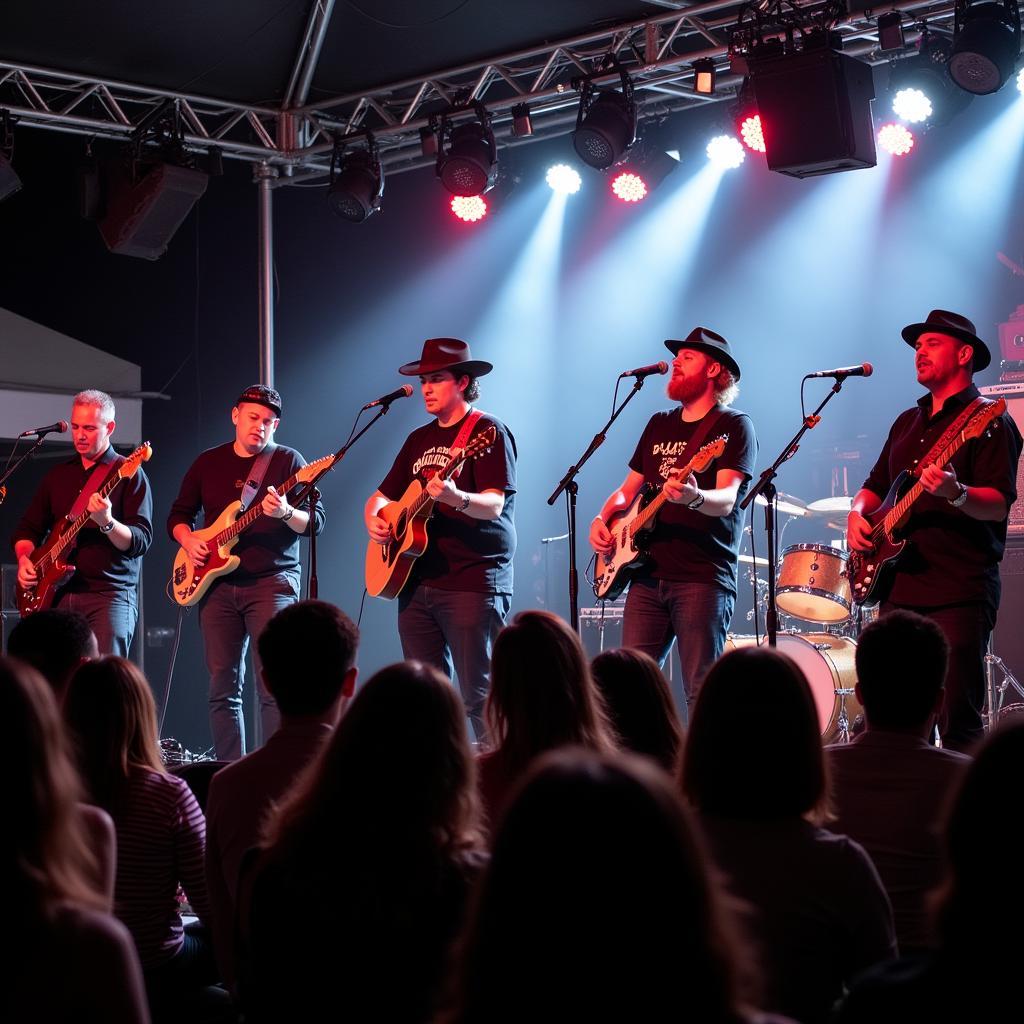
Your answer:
<point x="940" y="321"/>
<point x="707" y="341"/>
<point x="446" y="354"/>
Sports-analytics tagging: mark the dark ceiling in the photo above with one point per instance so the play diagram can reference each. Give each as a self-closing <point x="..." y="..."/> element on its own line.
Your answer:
<point x="244" y="51"/>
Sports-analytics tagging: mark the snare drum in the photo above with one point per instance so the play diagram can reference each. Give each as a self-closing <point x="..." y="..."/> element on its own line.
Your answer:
<point x="813" y="583"/>
<point x="827" y="663"/>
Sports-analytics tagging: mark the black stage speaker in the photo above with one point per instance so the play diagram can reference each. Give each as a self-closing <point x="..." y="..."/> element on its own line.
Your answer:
<point x="1008" y="636"/>
<point x="1014" y="395"/>
<point x="141" y="218"/>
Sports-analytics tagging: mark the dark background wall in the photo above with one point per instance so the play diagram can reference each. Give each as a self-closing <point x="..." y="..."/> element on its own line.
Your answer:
<point x="560" y="295"/>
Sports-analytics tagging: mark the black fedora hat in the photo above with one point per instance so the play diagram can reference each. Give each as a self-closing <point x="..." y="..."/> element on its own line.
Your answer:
<point x="446" y="354"/>
<point x="707" y="341"/>
<point x="940" y="321"/>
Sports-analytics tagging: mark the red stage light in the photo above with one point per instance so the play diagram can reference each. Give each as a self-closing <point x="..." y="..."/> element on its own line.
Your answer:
<point x="469" y="208"/>
<point x="629" y="187"/>
<point x="752" y="132"/>
<point x="896" y="139"/>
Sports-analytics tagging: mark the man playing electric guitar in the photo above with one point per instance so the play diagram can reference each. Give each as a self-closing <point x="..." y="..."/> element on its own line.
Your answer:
<point x="108" y="553"/>
<point x="460" y="589"/>
<point x="687" y="589"/>
<point x="239" y="605"/>
<point x="956" y="530"/>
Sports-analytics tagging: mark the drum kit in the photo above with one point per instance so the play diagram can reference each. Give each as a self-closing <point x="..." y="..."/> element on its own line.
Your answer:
<point x="818" y="622"/>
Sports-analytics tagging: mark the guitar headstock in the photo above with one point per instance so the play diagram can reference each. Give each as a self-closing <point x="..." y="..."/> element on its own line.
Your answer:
<point x="131" y="464"/>
<point x="313" y="469"/>
<point x="480" y="443"/>
<point x="708" y="453"/>
<point x="984" y="419"/>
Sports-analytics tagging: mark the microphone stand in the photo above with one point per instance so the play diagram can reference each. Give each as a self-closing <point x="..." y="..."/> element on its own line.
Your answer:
<point x="766" y="486"/>
<point x="313" y="583"/>
<point x="24" y="458"/>
<point x="569" y="485"/>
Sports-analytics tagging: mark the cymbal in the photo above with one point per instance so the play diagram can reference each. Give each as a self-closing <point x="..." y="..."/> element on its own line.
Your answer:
<point x="788" y="504"/>
<point x="751" y="560"/>
<point x="829" y="506"/>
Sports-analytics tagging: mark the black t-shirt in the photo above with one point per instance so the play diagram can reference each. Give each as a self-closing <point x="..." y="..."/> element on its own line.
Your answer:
<point x="215" y="480"/>
<point x="687" y="546"/>
<point x="462" y="553"/>
<point x="951" y="558"/>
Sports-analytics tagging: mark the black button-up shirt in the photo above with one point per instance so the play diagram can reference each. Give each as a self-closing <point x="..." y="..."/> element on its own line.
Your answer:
<point x="100" y="567"/>
<point x="951" y="558"/>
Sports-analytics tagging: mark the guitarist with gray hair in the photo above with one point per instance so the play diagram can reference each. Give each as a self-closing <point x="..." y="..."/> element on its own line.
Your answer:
<point x="955" y="530"/>
<point x="683" y="586"/>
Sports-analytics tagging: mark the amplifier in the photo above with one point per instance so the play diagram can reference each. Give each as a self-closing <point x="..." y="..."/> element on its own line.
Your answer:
<point x="1008" y="637"/>
<point x="1014" y="395"/>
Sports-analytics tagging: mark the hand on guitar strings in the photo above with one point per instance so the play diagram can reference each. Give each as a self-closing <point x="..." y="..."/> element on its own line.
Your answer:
<point x="858" y="532"/>
<point x="940" y="482"/>
<point x="378" y="529"/>
<point x="275" y="505"/>
<point x="443" y="490"/>
<point x="681" y="492"/>
<point x="601" y="539"/>
<point x="27" y="576"/>
<point x="99" y="510"/>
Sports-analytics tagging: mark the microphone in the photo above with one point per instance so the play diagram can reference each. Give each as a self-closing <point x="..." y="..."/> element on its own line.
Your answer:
<point x="403" y="392"/>
<point x="863" y="370"/>
<point x="60" y="427"/>
<point x="645" y="371"/>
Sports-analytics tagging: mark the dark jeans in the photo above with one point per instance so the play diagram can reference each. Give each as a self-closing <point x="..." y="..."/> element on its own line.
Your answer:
<point x="695" y="614"/>
<point x="112" y="617"/>
<point x="454" y="630"/>
<point x="229" y="615"/>
<point x="967" y="628"/>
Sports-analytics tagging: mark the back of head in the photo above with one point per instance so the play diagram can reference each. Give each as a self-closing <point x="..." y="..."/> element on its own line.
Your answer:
<point x="901" y="667"/>
<point x="44" y="857"/>
<point x="753" y="749"/>
<point x="111" y="715"/>
<point x="598" y="893"/>
<point x="542" y="695"/>
<point x="639" y="704"/>
<point x="306" y="650"/>
<point x="397" y="777"/>
<point x="55" y="643"/>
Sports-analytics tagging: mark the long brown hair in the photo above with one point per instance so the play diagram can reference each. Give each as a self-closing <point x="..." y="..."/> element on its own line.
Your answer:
<point x="111" y="713"/>
<point x="46" y="859"/>
<point x="542" y="695"/>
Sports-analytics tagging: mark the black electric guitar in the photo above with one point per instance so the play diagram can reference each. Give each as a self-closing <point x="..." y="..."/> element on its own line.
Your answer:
<point x="866" y="568"/>
<point x="631" y="527"/>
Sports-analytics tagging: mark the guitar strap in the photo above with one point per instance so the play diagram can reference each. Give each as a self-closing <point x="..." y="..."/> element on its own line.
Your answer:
<point x="463" y="436"/>
<point x="259" y="471"/>
<point x="951" y="431"/>
<point x="96" y="479"/>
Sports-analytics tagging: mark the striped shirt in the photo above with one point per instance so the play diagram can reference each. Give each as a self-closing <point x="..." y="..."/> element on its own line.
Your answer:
<point x="161" y="839"/>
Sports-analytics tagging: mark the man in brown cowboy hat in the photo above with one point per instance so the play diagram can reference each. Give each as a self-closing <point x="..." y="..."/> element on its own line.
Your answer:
<point x="460" y="590"/>
<point x="686" y="591"/>
<point x="957" y="528"/>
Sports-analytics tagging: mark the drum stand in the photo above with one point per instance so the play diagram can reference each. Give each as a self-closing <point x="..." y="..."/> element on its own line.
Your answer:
<point x="995" y="693"/>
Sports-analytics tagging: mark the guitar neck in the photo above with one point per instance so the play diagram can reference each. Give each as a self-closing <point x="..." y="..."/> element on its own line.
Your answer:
<point x="68" y="536"/>
<point x="424" y="499"/>
<point x="647" y="515"/>
<point x="247" y="518"/>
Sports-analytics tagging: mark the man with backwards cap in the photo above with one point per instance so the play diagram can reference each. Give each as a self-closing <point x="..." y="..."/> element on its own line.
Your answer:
<point x="956" y="530"/>
<point x="238" y="605"/>
<point x="687" y="590"/>
<point x="460" y="590"/>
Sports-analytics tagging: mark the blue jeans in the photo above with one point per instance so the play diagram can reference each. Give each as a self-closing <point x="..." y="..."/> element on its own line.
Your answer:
<point x="454" y="630"/>
<point x="695" y="614"/>
<point x="229" y="615"/>
<point x="112" y="617"/>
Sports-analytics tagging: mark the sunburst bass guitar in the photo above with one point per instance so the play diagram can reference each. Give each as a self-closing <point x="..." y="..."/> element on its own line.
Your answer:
<point x="189" y="582"/>
<point x="631" y="527"/>
<point x="389" y="565"/>
<point x="52" y="558"/>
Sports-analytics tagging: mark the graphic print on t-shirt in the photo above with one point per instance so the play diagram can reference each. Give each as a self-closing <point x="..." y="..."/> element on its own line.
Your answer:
<point x="432" y="461"/>
<point x="670" y="452"/>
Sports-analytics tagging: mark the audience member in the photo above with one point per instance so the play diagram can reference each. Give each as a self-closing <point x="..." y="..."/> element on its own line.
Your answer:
<point x="110" y="711"/>
<point x="754" y="770"/>
<point x="360" y="886"/>
<point x="890" y="785"/>
<point x="307" y="653"/>
<point x="54" y="642"/>
<point x="639" y="704"/>
<point x="598" y="905"/>
<point x="971" y="975"/>
<point x="68" y="961"/>
<point x="542" y="697"/>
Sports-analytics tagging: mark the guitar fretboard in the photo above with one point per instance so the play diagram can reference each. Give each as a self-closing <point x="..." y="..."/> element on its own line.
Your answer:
<point x="253" y="513"/>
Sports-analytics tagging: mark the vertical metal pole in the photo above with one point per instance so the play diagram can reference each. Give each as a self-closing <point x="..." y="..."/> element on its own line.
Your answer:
<point x="265" y="177"/>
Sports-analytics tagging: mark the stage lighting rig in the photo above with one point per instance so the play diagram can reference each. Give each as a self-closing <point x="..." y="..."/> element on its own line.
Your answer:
<point x="357" y="181"/>
<point x="704" y="77"/>
<point x="467" y="156"/>
<point x="986" y="44"/>
<point x="9" y="180"/>
<point x="813" y="100"/>
<point x="606" y="120"/>
<point x="928" y="71"/>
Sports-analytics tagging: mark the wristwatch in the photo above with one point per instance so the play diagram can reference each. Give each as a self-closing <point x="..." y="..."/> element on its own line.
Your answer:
<point x="961" y="496"/>
<point x="109" y="526"/>
<point x="697" y="502"/>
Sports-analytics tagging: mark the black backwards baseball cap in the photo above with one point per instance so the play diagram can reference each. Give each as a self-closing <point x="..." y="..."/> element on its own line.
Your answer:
<point x="261" y="394"/>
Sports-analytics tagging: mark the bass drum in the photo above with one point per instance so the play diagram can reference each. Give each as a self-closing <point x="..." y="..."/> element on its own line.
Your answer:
<point x="828" y="665"/>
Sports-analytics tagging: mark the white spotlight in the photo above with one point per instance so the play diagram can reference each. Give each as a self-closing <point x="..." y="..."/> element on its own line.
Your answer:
<point x="565" y="179"/>
<point x="725" y="151"/>
<point x="912" y="105"/>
